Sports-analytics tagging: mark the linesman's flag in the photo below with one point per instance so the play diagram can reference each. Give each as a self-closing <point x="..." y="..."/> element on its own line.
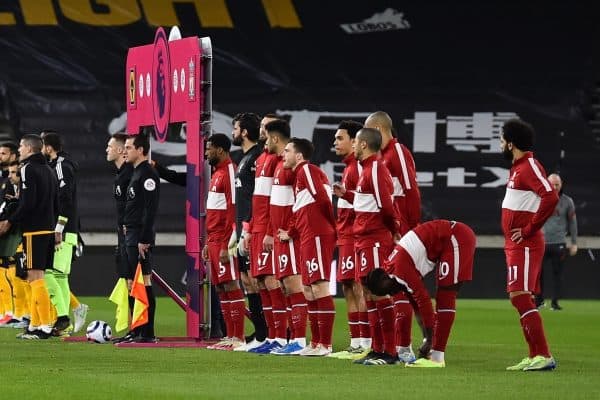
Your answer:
<point x="119" y="297"/>
<point x="140" y="307"/>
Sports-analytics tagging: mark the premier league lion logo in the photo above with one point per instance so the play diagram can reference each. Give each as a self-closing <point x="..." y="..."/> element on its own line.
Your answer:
<point x="161" y="84"/>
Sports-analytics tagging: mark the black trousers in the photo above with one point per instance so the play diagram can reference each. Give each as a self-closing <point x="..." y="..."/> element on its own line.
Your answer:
<point x="554" y="259"/>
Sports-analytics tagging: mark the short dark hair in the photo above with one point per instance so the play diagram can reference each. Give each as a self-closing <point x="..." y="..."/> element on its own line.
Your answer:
<point x="17" y="164"/>
<point x="279" y="126"/>
<point x="120" y="137"/>
<point x="34" y="141"/>
<point x="372" y="137"/>
<point x="13" y="148"/>
<point x="44" y="132"/>
<point x="53" y="140"/>
<point x="141" y="140"/>
<point x="303" y="146"/>
<point x="251" y="123"/>
<point x="352" y="127"/>
<point x="520" y="133"/>
<point x="220" y="140"/>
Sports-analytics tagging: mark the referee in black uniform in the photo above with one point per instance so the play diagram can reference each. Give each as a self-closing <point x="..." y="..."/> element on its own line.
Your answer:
<point x="115" y="153"/>
<point x="37" y="214"/>
<point x="138" y="224"/>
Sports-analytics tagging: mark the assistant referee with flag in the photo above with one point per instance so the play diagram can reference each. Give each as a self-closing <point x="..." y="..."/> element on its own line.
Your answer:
<point x="37" y="215"/>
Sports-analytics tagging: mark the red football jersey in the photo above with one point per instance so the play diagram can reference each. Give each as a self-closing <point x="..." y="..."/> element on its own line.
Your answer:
<point x="282" y="198"/>
<point x="529" y="201"/>
<point x="265" y="168"/>
<point x="220" y="204"/>
<point x="407" y="198"/>
<point x="375" y="218"/>
<point x="313" y="209"/>
<point x="345" y="209"/>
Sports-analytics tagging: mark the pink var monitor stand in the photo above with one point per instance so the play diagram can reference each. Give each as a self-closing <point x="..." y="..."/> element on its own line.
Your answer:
<point x="170" y="82"/>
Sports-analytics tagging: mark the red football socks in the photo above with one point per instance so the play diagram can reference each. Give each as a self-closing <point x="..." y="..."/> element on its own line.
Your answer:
<point x="326" y="317"/>
<point x="226" y="311"/>
<point x="313" y="317"/>
<point x="279" y="312"/>
<point x="445" y="307"/>
<point x="531" y="323"/>
<point x="237" y="307"/>
<point x="387" y="320"/>
<point x="404" y="313"/>
<point x="354" y="324"/>
<point x="363" y="320"/>
<point x="267" y="312"/>
<point x="299" y="314"/>
<point x="375" y="327"/>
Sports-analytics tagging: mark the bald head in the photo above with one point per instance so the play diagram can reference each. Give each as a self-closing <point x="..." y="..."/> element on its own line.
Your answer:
<point x="381" y="121"/>
<point x="555" y="181"/>
<point x="368" y="142"/>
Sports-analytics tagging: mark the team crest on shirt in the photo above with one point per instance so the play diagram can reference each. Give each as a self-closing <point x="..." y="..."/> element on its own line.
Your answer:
<point x="149" y="184"/>
<point x="511" y="180"/>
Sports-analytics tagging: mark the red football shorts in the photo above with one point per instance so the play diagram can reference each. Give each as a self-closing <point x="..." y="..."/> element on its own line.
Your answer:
<point x="286" y="255"/>
<point x="524" y="265"/>
<point x="346" y="263"/>
<point x="456" y="262"/>
<point x="261" y="262"/>
<point x="316" y="256"/>
<point x="369" y="258"/>
<point x="221" y="273"/>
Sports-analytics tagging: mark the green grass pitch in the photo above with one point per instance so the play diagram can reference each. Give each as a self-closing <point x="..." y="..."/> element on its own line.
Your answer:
<point x="486" y="338"/>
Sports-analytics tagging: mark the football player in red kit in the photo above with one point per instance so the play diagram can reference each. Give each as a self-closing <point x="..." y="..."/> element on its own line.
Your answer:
<point x="262" y="264"/>
<point x="529" y="201"/>
<point x="358" y="321"/>
<point x="313" y="225"/>
<point x="220" y="226"/>
<point x="447" y="245"/>
<point x="286" y="253"/>
<point x="376" y="223"/>
<point x="407" y="200"/>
